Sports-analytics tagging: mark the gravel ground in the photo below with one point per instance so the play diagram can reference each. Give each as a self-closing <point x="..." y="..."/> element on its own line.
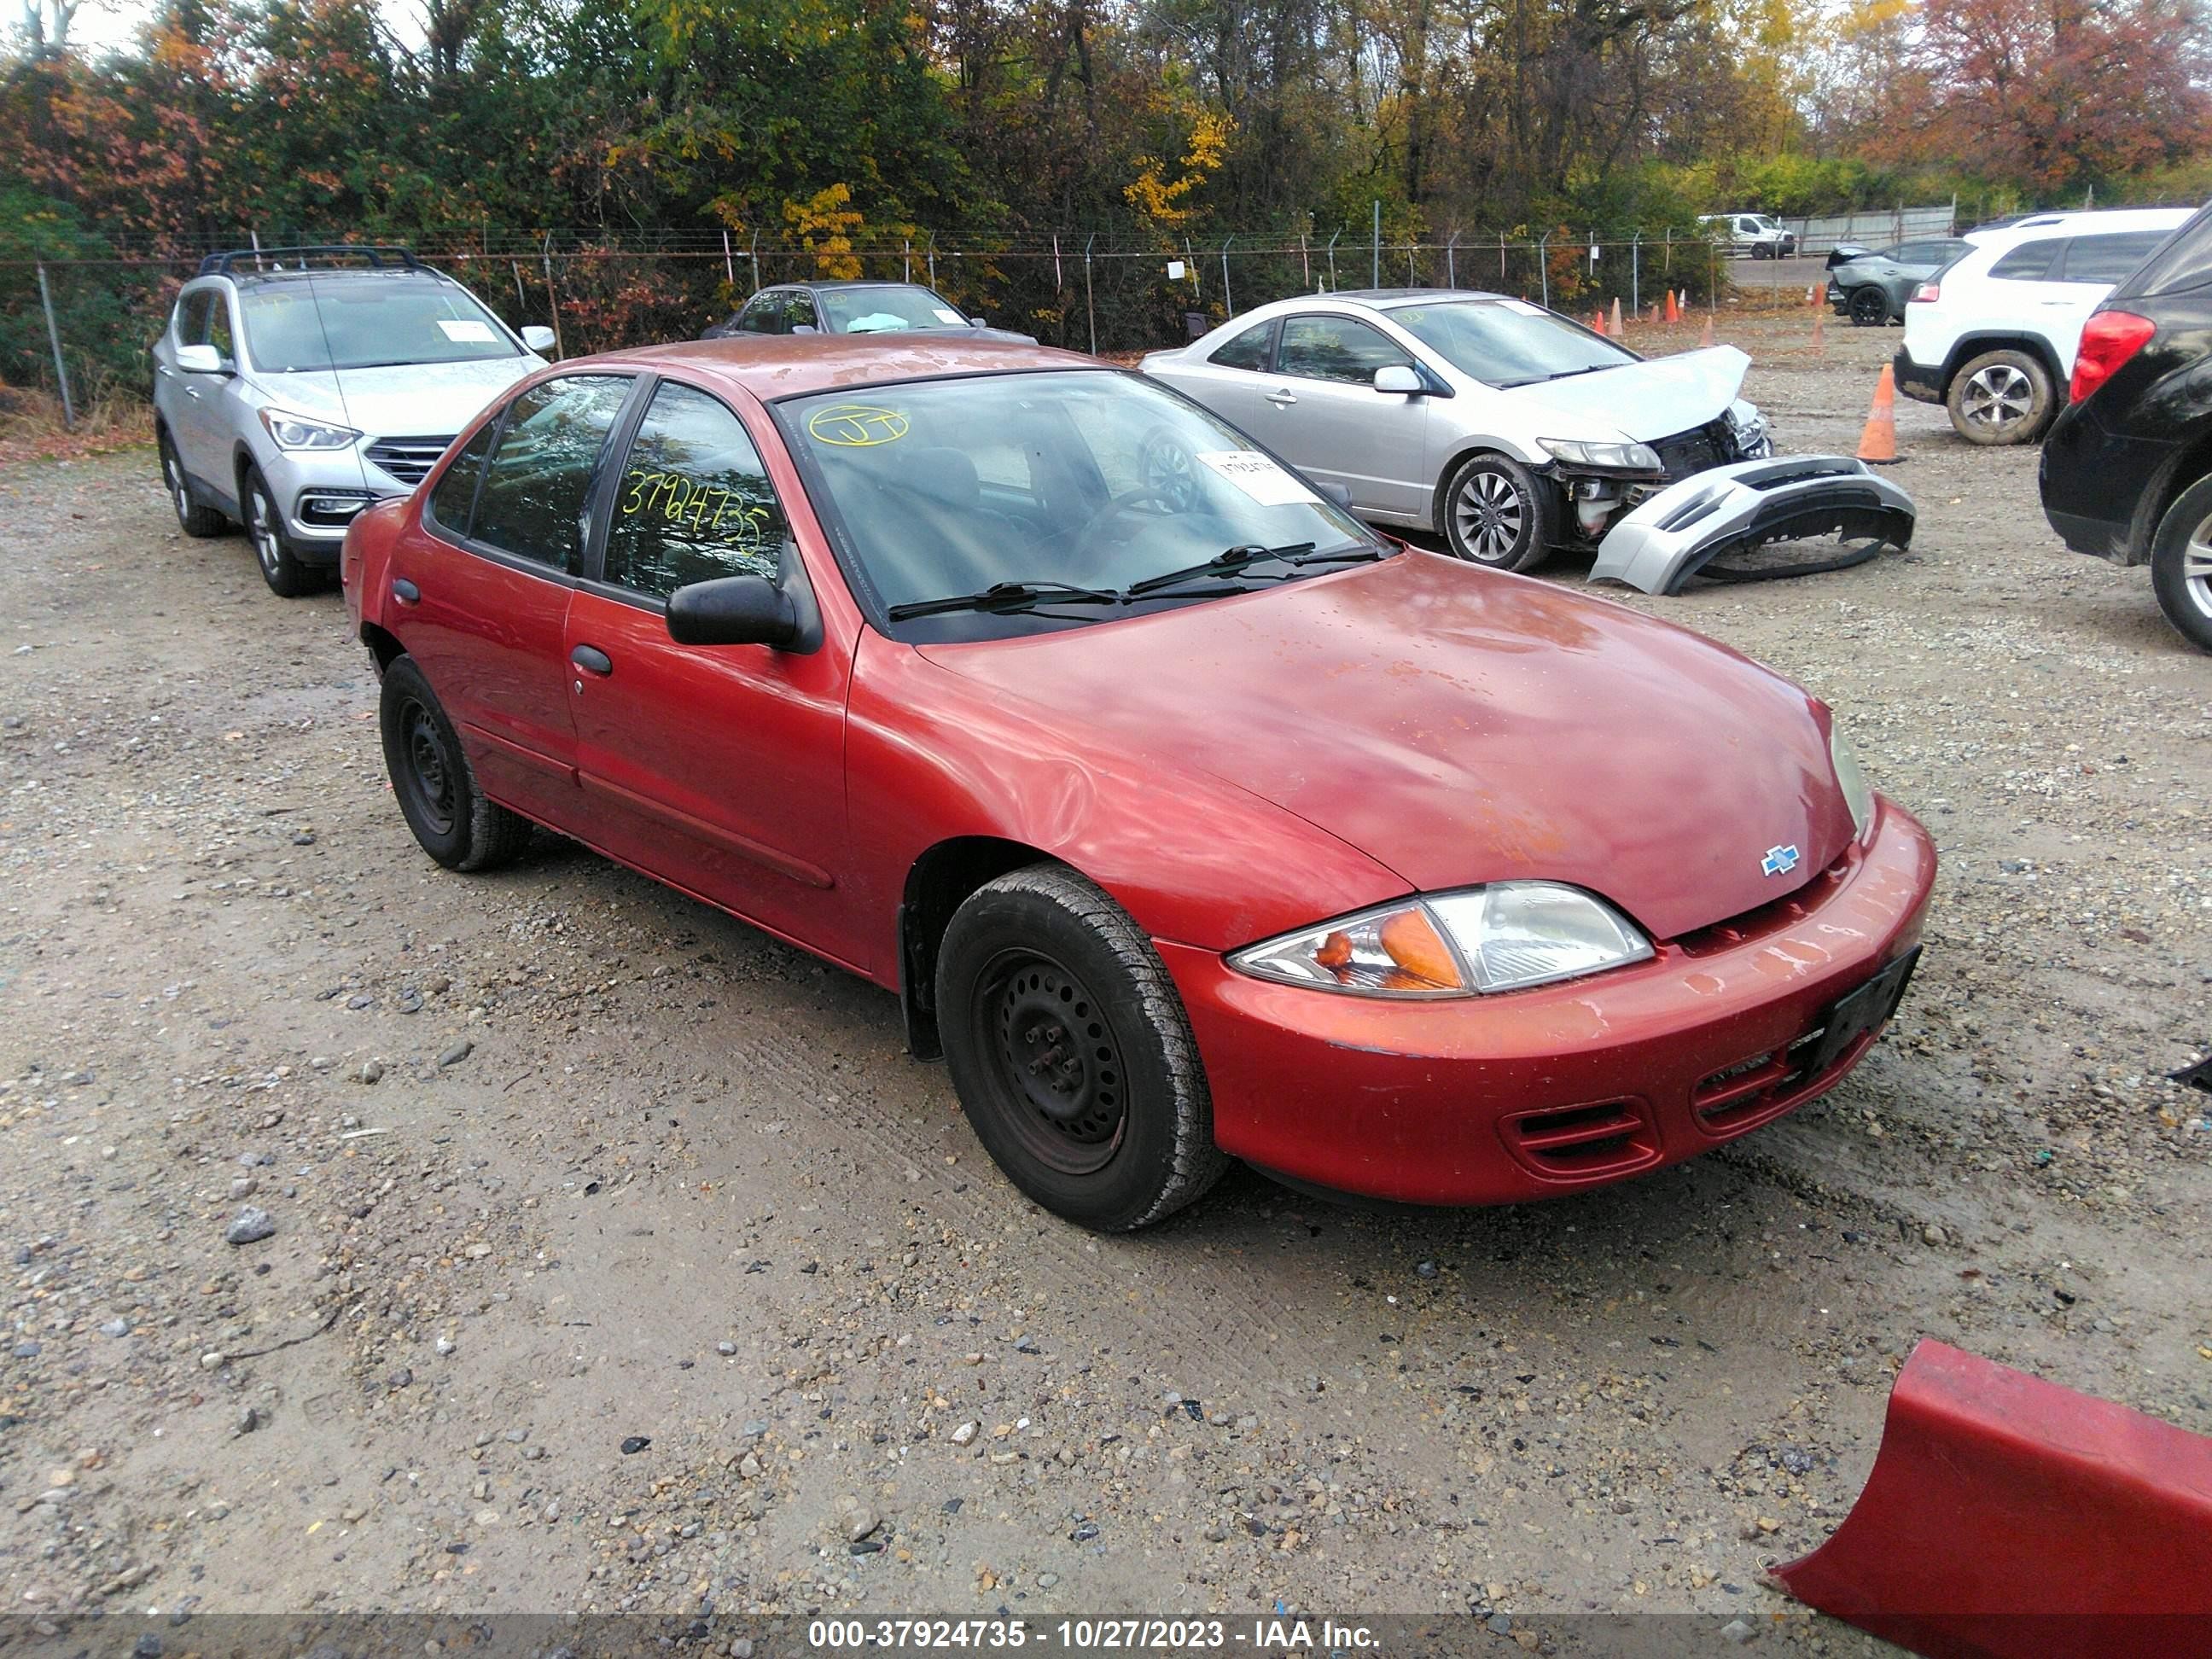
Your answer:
<point x="617" y="1258"/>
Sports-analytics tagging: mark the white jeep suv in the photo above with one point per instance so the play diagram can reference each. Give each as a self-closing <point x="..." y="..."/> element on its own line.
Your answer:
<point x="291" y="389"/>
<point x="1992" y="335"/>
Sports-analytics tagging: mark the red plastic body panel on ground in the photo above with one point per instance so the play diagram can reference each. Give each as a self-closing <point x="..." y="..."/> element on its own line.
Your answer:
<point x="2009" y="1518"/>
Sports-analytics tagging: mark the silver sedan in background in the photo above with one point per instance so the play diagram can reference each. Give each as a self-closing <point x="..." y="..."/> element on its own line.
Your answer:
<point x="1505" y="427"/>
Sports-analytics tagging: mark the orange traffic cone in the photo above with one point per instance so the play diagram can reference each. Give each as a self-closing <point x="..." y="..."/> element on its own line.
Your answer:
<point x="1654" y="313"/>
<point x="1812" y="296"/>
<point x="1597" y="321"/>
<point x="1820" y="333"/>
<point x="1615" y="329"/>
<point x="1878" y="441"/>
<point x="1674" y="311"/>
<point x="1707" y="338"/>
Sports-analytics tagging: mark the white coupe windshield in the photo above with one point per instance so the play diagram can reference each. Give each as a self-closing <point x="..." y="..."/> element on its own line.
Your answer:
<point x="1508" y="341"/>
<point x="309" y="322"/>
<point x="1088" y="478"/>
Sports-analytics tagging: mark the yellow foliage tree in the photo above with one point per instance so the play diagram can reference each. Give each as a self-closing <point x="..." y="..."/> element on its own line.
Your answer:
<point x="823" y="224"/>
<point x="1164" y="203"/>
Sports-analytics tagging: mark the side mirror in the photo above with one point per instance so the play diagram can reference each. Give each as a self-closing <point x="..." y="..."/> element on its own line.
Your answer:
<point x="1340" y="493"/>
<point x="732" y="610"/>
<point x="979" y="322"/>
<point x="539" y="337"/>
<point x="803" y="328"/>
<point x="1400" y="379"/>
<point x="200" y="360"/>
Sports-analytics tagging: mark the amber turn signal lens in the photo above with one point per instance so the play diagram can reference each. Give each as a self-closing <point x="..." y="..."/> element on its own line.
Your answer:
<point x="1412" y="941"/>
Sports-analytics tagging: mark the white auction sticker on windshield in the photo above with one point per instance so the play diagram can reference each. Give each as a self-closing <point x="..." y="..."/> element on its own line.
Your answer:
<point x="468" y="330"/>
<point x="1259" y="476"/>
<point x="1523" y="307"/>
<point x="946" y="314"/>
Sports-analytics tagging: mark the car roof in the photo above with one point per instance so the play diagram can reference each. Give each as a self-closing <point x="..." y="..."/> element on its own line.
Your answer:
<point x="246" y="279"/>
<point x="772" y="365"/>
<point x="1389" y="299"/>
<point x="2036" y="226"/>
<point x="827" y="286"/>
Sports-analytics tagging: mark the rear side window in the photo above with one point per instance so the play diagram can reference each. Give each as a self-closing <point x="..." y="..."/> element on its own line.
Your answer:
<point x="694" y="503"/>
<point x="764" y="314"/>
<point x="1248" y="350"/>
<point x="455" y="497"/>
<point x="2185" y="262"/>
<point x="531" y="504"/>
<point x="2030" y="262"/>
<point x="2108" y="258"/>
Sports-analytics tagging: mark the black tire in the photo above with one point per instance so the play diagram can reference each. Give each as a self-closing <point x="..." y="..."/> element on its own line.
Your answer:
<point x="1498" y="514"/>
<point x="2181" y="563"/>
<point x="1070" y="1053"/>
<point x="456" y="822"/>
<point x="191" y="518"/>
<point x="2004" y="397"/>
<point x="287" y="577"/>
<point x="1760" y="251"/>
<point x="1869" y="306"/>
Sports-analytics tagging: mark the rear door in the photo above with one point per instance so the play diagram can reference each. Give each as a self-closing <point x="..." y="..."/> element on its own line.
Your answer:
<point x="720" y="768"/>
<point x="2084" y="275"/>
<point x="1329" y="419"/>
<point x="483" y="598"/>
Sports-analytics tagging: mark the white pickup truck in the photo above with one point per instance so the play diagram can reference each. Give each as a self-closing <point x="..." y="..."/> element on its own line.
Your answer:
<point x="1754" y="233"/>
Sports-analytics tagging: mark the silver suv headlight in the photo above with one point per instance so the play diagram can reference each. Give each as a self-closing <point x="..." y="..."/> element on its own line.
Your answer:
<point x="1503" y="937"/>
<point x="1858" y="793"/>
<point x="298" y="432"/>
<point x="1576" y="451"/>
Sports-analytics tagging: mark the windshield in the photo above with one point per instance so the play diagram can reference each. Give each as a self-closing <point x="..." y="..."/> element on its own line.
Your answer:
<point x="365" y="322"/>
<point x="1088" y="478"/>
<point x="886" y="310"/>
<point x="1509" y="342"/>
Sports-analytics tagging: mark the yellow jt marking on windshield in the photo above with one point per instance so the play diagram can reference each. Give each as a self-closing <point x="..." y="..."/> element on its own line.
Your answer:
<point x="857" y="426"/>
<point x="682" y="501"/>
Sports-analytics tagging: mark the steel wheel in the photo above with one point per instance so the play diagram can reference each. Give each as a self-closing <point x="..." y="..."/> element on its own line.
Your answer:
<point x="427" y="773"/>
<point x="1055" y="1061"/>
<point x="1490" y="516"/>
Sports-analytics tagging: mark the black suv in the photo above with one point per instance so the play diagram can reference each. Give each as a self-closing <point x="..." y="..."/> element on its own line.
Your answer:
<point x="2127" y="471"/>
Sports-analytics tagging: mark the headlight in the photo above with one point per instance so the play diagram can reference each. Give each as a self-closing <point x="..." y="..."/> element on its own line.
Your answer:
<point x="1633" y="458"/>
<point x="298" y="432"/>
<point x="1858" y="793"/>
<point x="1500" y="938"/>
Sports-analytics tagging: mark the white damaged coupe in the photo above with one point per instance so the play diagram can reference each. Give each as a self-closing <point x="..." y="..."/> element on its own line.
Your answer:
<point x="1507" y="428"/>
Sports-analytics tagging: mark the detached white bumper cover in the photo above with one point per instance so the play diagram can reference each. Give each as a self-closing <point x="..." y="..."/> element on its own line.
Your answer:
<point x="1669" y="539"/>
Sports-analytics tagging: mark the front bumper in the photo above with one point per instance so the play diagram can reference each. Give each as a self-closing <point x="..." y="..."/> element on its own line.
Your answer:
<point x="320" y="492"/>
<point x="1670" y="537"/>
<point x="1536" y="1093"/>
<point x="1919" y="381"/>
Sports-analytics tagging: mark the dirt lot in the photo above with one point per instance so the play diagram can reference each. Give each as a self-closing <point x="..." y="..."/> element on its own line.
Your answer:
<point x="559" y="1163"/>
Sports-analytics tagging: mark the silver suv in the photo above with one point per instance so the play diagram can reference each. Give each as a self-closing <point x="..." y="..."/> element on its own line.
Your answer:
<point x="292" y="389"/>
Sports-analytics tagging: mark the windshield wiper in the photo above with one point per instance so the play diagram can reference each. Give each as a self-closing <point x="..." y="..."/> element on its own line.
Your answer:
<point x="1587" y="368"/>
<point x="1002" y="599"/>
<point x="1231" y="560"/>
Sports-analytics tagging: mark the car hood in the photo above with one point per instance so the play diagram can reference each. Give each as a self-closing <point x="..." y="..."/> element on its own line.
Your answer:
<point x="1655" y="398"/>
<point x="413" y="400"/>
<point x="1459" y="726"/>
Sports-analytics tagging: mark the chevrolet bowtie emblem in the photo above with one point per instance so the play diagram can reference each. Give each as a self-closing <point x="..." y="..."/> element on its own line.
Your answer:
<point x="1779" y="861"/>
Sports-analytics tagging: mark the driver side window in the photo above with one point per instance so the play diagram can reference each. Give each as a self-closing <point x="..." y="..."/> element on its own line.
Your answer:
<point x="764" y="314"/>
<point x="695" y="502"/>
<point x="1338" y="349"/>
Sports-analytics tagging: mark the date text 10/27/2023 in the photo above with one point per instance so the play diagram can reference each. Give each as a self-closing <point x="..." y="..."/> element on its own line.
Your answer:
<point x="1102" y="1635"/>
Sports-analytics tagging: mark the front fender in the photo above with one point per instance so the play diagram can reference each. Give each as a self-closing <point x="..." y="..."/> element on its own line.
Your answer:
<point x="931" y="756"/>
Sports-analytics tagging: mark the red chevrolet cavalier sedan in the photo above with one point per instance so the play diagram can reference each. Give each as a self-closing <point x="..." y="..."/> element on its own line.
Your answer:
<point x="1188" y="819"/>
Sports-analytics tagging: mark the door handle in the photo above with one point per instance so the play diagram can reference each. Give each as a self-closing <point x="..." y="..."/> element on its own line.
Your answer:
<point x="591" y="659"/>
<point x="1282" y="399"/>
<point x="404" y="591"/>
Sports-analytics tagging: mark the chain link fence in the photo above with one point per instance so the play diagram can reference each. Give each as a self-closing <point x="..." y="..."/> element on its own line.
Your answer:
<point x="80" y="326"/>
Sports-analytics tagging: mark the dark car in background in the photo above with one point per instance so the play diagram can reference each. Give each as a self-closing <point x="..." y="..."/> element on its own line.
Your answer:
<point x="1871" y="287"/>
<point x="2127" y="470"/>
<point x="850" y="307"/>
